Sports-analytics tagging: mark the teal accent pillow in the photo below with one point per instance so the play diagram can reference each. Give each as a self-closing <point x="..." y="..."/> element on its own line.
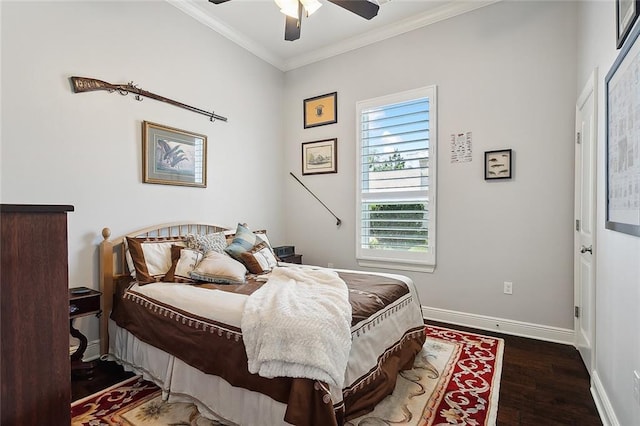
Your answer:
<point x="242" y="242"/>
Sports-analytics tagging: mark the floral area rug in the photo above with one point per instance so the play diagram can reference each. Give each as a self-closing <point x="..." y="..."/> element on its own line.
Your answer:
<point x="455" y="380"/>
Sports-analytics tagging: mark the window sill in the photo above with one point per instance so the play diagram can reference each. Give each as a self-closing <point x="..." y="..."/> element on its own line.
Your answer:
<point x="398" y="266"/>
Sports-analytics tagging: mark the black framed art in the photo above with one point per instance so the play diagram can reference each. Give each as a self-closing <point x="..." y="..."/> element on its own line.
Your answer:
<point x="321" y="110"/>
<point x="626" y="15"/>
<point x="320" y="157"/>
<point x="497" y="164"/>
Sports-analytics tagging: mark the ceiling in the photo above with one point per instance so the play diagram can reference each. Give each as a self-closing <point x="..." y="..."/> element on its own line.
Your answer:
<point x="258" y="26"/>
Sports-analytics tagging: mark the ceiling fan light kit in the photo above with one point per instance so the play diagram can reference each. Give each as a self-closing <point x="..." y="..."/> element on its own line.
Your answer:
<point x="293" y="9"/>
<point x="290" y="7"/>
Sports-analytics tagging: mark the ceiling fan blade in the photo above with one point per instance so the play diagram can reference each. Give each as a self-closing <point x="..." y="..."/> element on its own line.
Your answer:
<point x="363" y="8"/>
<point x="292" y="25"/>
<point x="218" y="1"/>
<point x="292" y="28"/>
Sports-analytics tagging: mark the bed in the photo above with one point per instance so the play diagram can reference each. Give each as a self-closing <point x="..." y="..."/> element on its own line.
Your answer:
<point x="187" y="337"/>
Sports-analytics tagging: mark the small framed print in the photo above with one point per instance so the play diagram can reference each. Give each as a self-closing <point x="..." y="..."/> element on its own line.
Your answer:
<point x="497" y="164"/>
<point x="320" y="157"/>
<point x="626" y="14"/>
<point x="172" y="156"/>
<point x="321" y="110"/>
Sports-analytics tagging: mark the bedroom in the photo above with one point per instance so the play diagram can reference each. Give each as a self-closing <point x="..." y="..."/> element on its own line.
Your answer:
<point x="497" y="68"/>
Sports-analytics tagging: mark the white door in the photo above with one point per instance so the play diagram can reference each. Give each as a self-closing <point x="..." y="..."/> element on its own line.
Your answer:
<point x="585" y="221"/>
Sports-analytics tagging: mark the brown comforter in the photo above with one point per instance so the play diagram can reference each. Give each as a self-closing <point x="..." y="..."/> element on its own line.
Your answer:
<point x="217" y="348"/>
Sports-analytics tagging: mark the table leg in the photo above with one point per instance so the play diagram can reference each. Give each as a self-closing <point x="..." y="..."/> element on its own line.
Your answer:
<point x="78" y="367"/>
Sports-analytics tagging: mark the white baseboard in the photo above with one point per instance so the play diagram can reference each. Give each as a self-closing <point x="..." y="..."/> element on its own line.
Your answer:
<point x="605" y="409"/>
<point x="92" y="352"/>
<point x="500" y="325"/>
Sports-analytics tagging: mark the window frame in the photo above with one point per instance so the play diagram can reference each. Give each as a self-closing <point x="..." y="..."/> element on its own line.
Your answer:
<point x="394" y="259"/>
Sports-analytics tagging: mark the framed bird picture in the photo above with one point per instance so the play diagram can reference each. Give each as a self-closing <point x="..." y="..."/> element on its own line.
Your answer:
<point x="172" y="156"/>
<point x="497" y="164"/>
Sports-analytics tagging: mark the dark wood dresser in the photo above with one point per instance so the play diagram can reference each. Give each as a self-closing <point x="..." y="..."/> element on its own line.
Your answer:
<point x="34" y="315"/>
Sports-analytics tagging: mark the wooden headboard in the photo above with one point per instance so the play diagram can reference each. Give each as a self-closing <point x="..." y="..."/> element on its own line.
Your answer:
<point x="113" y="262"/>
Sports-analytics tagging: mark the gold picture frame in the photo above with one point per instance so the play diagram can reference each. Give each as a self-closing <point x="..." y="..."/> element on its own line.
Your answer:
<point x="173" y="156"/>
<point x="321" y="110"/>
<point x="320" y="157"/>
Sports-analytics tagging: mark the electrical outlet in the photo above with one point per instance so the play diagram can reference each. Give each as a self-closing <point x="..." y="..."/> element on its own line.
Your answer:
<point x="329" y="265"/>
<point x="636" y="386"/>
<point x="508" y="287"/>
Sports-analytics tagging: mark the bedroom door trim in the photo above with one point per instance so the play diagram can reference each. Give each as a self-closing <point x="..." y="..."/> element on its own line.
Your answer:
<point x="585" y="222"/>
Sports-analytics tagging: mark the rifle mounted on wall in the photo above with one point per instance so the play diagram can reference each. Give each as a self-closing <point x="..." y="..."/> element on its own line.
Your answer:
<point x="85" y="84"/>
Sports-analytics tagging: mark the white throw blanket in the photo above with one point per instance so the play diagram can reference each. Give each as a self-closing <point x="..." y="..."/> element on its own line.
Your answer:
<point x="298" y="324"/>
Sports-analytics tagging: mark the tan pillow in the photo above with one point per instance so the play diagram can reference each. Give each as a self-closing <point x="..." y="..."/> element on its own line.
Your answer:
<point x="150" y="257"/>
<point x="219" y="268"/>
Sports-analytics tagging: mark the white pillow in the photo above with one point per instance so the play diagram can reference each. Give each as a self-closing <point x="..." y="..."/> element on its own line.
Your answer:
<point x="219" y="268"/>
<point x="184" y="260"/>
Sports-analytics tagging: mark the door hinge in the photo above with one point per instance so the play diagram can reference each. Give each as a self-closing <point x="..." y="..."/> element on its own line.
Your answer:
<point x="576" y="311"/>
<point x="578" y="137"/>
<point x="577" y="224"/>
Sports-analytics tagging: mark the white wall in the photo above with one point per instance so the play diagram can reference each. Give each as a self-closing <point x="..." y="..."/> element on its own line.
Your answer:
<point x="85" y="149"/>
<point x="617" y="346"/>
<point x="504" y="72"/>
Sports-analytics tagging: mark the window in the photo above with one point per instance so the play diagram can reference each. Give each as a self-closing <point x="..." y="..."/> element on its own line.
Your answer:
<point x="396" y="209"/>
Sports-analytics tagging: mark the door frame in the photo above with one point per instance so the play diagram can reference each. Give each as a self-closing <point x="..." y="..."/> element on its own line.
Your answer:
<point x="590" y="89"/>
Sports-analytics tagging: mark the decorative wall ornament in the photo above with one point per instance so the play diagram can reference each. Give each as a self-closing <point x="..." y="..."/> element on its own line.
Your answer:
<point x="321" y="110"/>
<point x="85" y="84"/>
<point x="497" y="164"/>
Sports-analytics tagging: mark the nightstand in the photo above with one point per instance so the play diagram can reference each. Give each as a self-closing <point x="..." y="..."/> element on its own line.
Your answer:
<point x="292" y="258"/>
<point x="82" y="302"/>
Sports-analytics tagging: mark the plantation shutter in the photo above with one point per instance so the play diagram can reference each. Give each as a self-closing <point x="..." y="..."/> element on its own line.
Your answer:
<point x="394" y="208"/>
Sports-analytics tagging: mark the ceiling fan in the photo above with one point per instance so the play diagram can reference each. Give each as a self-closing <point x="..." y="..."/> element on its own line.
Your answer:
<point x="294" y="9"/>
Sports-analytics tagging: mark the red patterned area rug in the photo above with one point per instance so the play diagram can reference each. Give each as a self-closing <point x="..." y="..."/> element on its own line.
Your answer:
<point x="455" y="381"/>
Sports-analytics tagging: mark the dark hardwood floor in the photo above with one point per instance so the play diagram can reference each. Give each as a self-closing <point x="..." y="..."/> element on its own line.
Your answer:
<point x="542" y="384"/>
<point x="107" y="373"/>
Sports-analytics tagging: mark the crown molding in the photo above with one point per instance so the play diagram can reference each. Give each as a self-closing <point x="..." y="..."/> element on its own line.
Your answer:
<point x="438" y="14"/>
<point x="192" y="9"/>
